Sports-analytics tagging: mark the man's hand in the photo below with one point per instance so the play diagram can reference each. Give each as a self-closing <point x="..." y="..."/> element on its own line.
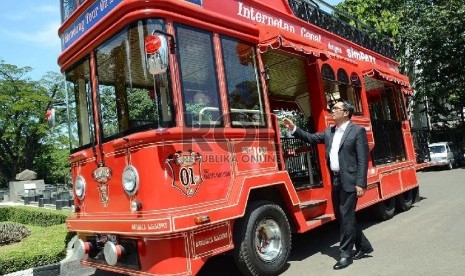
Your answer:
<point x="289" y="124"/>
<point x="360" y="191"/>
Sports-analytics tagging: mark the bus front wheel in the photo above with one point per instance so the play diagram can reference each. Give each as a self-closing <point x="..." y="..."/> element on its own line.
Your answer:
<point x="262" y="240"/>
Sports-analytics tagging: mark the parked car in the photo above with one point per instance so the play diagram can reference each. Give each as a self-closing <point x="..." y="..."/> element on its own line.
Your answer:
<point x="443" y="154"/>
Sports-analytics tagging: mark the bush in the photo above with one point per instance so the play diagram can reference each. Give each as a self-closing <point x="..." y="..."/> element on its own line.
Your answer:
<point x="33" y="216"/>
<point x="45" y="245"/>
<point x="12" y="232"/>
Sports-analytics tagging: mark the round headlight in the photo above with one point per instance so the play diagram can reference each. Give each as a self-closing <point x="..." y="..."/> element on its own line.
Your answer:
<point x="130" y="180"/>
<point x="80" y="187"/>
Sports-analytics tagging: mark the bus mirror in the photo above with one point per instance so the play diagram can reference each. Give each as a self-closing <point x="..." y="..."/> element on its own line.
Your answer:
<point x="156" y="49"/>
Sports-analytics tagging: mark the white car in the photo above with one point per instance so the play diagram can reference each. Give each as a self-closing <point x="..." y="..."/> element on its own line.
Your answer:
<point x="443" y="154"/>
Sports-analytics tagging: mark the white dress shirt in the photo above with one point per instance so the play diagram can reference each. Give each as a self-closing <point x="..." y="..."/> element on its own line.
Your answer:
<point x="334" y="151"/>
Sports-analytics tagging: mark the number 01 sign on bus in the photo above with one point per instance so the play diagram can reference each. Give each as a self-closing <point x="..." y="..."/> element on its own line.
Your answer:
<point x="178" y="153"/>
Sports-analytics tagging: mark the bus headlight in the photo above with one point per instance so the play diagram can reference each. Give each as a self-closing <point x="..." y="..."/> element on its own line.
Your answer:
<point x="130" y="180"/>
<point x="80" y="187"/>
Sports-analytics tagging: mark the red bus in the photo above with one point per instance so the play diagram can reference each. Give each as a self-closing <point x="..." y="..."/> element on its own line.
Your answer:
<point x="177" y="150"/>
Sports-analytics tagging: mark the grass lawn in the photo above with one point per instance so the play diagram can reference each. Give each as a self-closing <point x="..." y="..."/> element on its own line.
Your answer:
<point x="45" y="245"/>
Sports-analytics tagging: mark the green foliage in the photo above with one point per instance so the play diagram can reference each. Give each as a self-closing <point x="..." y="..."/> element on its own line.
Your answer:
<point x="44" y="246"/>
<point x="25" y="141"/>
<point x="382" y="15"/>
<point x="430" y="37"/>
<point x="12" y="232"/>
<point x="434" y="32"/>
<point x="33" y="216"/>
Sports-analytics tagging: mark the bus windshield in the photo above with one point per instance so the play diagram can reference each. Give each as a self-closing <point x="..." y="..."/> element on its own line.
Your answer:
<point x="131" y="98"/>
<point x="81" y="117"/>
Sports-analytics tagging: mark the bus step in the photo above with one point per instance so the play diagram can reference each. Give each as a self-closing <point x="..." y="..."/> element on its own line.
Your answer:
<point x="312" y="203"/>
<point x="313" y="208"/>
<point x="314" y="222"/>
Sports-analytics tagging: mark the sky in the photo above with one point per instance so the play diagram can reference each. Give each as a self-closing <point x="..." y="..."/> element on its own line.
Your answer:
<point x="29" y="34"/>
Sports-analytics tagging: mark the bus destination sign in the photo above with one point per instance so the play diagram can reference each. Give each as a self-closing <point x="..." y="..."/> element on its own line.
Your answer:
<point x="87" y="20"/>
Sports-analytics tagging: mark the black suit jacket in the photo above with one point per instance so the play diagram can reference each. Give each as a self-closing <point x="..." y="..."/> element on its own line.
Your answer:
<point x="353" y="153"/>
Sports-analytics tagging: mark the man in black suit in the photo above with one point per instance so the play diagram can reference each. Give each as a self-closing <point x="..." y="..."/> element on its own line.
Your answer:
<point x="347" y="158"/>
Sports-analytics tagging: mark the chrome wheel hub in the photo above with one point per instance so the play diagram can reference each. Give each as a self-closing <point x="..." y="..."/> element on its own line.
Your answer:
<point x="268" y="240"/>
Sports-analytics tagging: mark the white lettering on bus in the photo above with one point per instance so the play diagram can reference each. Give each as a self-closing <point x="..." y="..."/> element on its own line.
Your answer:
<point x="156" y="226"/>
<point x="210" y="240"/>
<point x="334" y="48"/>
<point x="307" y="34"/>
<point x="91" y="15"/>
<point x="149" y="226"/>
<point x="79" y="27"/>
<point x="103" y="4"/>
<point x="352" y="53"/>
<point x="259" y="17"/>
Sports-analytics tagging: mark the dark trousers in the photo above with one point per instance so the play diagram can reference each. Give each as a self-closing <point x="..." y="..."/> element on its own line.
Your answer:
<point x="344" y="204"/>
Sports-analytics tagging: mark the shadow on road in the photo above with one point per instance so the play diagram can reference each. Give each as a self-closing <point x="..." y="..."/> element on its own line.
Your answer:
<point x="323" y="240"/>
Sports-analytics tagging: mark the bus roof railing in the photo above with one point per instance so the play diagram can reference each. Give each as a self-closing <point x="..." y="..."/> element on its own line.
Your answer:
<point x="313" y="11"/>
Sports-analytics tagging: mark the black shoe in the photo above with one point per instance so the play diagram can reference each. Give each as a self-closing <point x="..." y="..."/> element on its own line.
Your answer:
<point x="343" y="263"/>
<point x="359" y="254"/>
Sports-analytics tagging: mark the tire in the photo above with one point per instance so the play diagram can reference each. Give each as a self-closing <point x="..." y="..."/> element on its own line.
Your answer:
<point x="384" y="210"/>
<point x="404" y="201"/>
<point x="416" y="194"/>
<point x="450" y="166"/>
<point x="255" y="253"/>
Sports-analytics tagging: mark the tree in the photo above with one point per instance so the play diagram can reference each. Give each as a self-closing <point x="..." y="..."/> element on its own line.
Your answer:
<point x="382" y="15"/>
<point x="436" y="37"/>
<point x="53" y="165"/>
<point x="24" y="134"/>
<point x="429" y="35"/>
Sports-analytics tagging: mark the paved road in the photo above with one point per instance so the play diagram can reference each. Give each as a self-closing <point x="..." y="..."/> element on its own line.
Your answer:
<point x="429" y="239"/>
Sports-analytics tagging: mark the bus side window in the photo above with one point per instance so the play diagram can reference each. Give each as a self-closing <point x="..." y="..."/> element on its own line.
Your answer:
<point x="199" y="79"/>
<point x="340" y="87"/>
<point x="81" y="120"/>
<point x="242" y="81"/>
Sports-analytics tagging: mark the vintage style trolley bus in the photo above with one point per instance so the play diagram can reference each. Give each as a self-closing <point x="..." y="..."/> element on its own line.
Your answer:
<point x="177" y="150"/>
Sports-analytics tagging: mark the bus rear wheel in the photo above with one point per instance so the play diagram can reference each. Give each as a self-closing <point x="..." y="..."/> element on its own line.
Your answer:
<point x="384" y="210"/>
<point x="404" y="201"/>
<point x="262" y="240"/>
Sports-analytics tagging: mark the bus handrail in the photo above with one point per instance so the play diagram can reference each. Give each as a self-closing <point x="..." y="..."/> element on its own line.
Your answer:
<point x="233" y="110"/>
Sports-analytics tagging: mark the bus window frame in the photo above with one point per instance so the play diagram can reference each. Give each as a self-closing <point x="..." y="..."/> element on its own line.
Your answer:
<point x="183" y="89"/>
<point x="357" y="90"/>
<point x="260" y="88"/>
<point x="89" y="102"/>
<point x="145" y="127"/>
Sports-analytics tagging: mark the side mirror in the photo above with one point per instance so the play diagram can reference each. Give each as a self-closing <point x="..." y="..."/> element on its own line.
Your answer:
<point x="156" y="50"/>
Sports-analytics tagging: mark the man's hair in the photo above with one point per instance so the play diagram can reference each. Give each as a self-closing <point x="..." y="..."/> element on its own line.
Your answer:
<point x="349" y="107"/>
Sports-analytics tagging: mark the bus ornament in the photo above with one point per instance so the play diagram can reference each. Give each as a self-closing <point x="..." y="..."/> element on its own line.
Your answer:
<point x="103" y="189"/>
<point x="186" y="172"/>
<point x="102" y="175"/>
